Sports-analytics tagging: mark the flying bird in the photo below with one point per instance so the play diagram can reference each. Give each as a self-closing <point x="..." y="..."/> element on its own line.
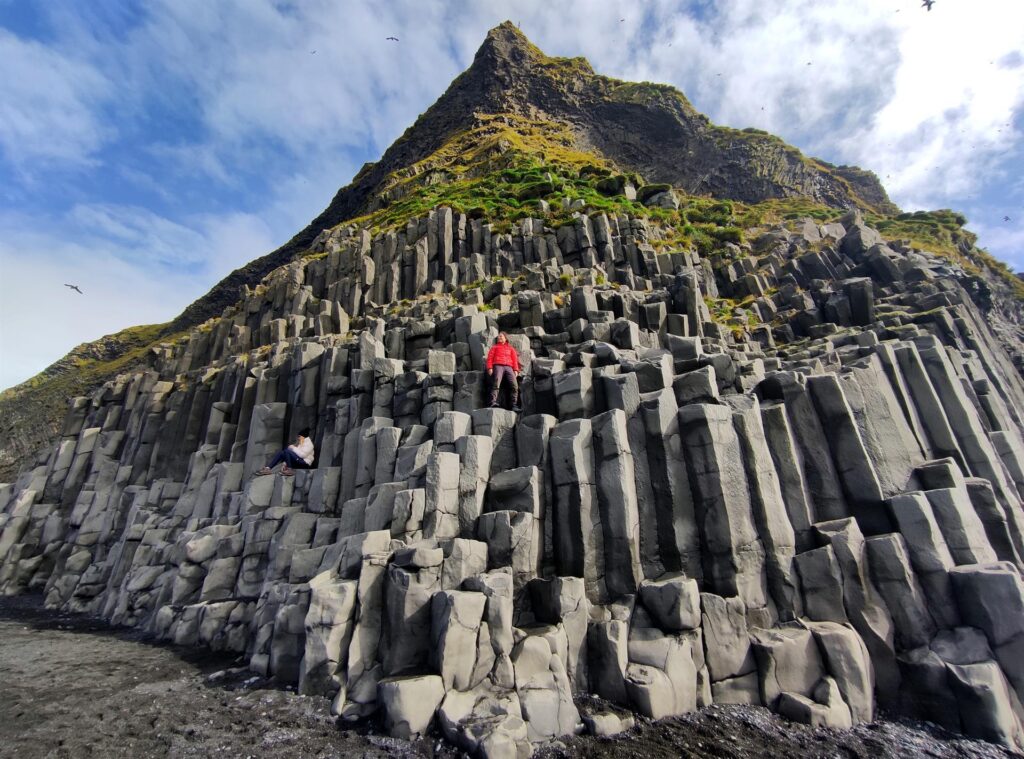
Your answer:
<point x="927" y="4"/>
<point x="1006" y="218"/>
<point x="312" y="52"/>
<point x="75" y="288"/>
<point x="395" y="39"/>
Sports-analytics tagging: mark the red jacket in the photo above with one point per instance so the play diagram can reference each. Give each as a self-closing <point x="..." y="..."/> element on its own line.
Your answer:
<point x="503" y="354"/>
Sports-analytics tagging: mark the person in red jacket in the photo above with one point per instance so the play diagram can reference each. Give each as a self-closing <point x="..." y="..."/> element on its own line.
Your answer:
<point x="502" y="365"/>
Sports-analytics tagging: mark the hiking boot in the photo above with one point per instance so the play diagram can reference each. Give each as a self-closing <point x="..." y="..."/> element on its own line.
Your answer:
<point x="264" y="470"/>
<point x="287" y="471"/>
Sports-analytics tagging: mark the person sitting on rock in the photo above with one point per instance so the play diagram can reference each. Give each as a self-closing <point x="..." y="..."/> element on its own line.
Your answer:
<point x="502" y="364"/>
<point x="298" y="456"/>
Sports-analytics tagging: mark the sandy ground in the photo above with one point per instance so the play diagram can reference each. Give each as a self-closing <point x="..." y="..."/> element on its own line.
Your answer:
<point x="74" y="687"/>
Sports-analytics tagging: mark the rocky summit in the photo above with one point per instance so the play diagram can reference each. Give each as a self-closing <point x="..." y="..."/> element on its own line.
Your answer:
<point x="769" y="453"/>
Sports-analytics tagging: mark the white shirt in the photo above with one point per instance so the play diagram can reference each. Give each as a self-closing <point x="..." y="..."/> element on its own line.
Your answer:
<point x="304" y="450"/>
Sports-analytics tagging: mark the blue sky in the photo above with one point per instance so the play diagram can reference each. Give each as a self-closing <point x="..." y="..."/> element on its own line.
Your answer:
<point x="147" y="149"/>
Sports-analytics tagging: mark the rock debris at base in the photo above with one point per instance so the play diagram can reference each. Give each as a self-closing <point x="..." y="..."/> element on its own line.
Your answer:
<point x="820" y="515"/>
<point x="74" y="687"/>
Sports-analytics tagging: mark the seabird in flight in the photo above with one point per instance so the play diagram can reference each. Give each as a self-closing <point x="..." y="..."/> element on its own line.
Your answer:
<point x="75" y="288"/>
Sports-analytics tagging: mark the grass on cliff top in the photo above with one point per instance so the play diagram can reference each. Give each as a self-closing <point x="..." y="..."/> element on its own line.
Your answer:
<point x="940" y="232"/>
<point x="34" y="411"/>
<point x="510" y="194"/>
<point x="104" y="357"/>
<point x="646" y="93"/>
<point x="943" y="232"/>
<point x="936" y="231"/>
<point x="497" y="170"/>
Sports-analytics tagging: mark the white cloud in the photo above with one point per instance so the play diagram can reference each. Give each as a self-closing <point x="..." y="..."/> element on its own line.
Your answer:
<point x="299" y="197"/>
<point x="192" y="160"/>
<point x="136" y="234"/>
<point x="49" y="105"/>
<point x="232" y="240"/>
<point x="304" y="73"/>
<point x="914" y="96"/>
<point x="133" y="267"/>
<point x="40" y="319"/>
<point x="949" y="118"/>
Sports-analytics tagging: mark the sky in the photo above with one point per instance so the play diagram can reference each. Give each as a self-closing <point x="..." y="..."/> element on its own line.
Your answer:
<point x="147" y="149"/>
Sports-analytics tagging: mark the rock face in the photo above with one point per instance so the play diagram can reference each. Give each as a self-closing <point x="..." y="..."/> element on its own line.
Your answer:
<point x="813" y="514"/>
<point x="814" y="522"/>
<point x="650" y="133"/>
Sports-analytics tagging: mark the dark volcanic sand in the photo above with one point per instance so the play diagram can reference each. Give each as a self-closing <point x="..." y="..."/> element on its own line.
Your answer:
<point x="74" y="687"/>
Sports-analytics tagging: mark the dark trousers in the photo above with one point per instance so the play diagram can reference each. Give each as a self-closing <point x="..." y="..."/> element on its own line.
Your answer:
<point x="290" y="458"/>
<point x="504" y="374"/>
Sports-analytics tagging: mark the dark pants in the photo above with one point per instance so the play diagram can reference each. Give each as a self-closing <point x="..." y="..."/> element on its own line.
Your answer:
<point x="504" y="373"/>
<point x="290" y="458"/>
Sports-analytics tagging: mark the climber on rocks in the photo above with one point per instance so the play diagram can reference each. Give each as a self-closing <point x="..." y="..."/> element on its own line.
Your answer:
<point x="503" y="365"/>
<point x="297" y="456"/>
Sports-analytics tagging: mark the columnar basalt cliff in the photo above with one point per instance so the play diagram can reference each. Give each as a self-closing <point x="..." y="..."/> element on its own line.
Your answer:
<point x="772" y="461"/>
<point x="514" y="108"/>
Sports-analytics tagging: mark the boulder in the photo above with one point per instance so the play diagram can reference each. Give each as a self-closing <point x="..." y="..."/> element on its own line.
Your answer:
<point x="849" y="666"/>
<point x="485" y="722"/>
<point x="329" y="622"/>
<point x="661" y="678"/>
<point x="455" y="627"/>
<point x="726" y="643"/>
<point x="827" y="710"/>
<point x="986" y="704"/>
<point x="787" y="661"/>
<point x="544" y="691"/>
<point x="409" y="704"/>
<point x="606" y="724"/>
<point x="673" y="602"/>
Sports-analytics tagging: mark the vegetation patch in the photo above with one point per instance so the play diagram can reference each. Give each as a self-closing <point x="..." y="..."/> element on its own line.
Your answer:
<point x="33" y="412"/>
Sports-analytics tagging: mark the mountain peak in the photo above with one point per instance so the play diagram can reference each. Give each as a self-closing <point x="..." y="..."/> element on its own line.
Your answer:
<point x="506" y="44"/>
<point x="508" y="55"/>
<point x="549" y="105"/>
<point x="508" y="34"/>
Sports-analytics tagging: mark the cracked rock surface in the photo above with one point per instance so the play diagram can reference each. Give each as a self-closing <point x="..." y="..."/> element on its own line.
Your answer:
<point x="820" y="515"/>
